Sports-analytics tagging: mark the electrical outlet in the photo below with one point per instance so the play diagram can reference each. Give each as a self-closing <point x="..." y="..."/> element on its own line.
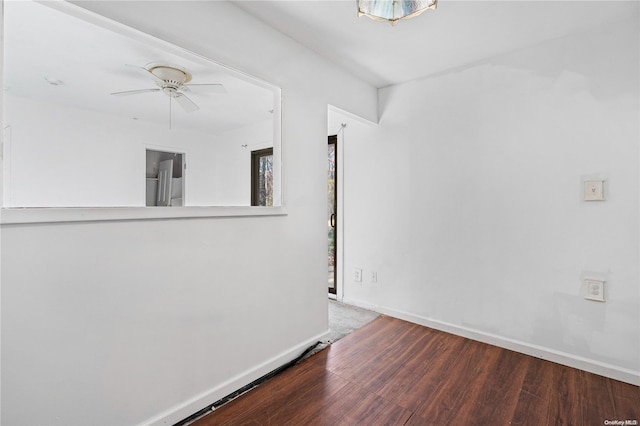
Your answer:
<point x="595" y="289"/>
<point x="357" y="275"/>
<point x="374" y="277"/>
<point x="594" y="190"/>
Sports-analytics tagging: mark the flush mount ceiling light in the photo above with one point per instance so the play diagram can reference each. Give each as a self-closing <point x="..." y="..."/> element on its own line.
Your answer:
<point x="393" y="10"/>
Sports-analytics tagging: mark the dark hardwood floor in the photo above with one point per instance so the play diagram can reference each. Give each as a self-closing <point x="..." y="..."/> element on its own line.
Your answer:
<point x="392" y="372"/>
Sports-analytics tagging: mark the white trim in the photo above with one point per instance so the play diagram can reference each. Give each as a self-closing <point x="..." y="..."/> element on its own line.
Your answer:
<point x="6" y="156"/>
<point x="570" y="360"/>
<point x="340" y="216"/>
<point x="185" y="409"/>
<point x="19" y="216"/>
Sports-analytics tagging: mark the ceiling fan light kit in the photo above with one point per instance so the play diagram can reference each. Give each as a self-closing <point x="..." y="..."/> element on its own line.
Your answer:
<point x="169" y="74"/>
<point x="393" y="10"/>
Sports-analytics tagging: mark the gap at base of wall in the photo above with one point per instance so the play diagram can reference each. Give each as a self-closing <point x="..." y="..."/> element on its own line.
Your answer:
<point x="591" y="366"/>
<point x="185" y="409"/>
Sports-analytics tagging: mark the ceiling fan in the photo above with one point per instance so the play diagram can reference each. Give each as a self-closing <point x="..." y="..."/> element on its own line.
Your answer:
<point x="171" y="81"/>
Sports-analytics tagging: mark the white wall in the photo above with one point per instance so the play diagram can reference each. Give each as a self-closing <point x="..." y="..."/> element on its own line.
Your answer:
<point x="233" y="161"/>
<point x="81" y="158"/>
<point x="139" y="322"/>
<point x="60" y="156"/>
<point x="466" y="199"/>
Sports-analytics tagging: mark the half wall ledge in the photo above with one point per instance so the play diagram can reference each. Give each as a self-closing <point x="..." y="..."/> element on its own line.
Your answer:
<point x="20" y="216"/>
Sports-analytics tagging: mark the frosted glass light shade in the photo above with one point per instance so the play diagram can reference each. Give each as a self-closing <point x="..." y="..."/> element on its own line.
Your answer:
<point x="393" y="10"/>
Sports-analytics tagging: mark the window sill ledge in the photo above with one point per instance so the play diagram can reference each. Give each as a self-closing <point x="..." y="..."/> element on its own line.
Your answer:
<point x="19" y="216"/>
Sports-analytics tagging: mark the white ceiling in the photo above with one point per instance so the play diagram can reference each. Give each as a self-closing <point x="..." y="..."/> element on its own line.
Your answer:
<point x="42" y="42"/>
<point x="456" y="34"/>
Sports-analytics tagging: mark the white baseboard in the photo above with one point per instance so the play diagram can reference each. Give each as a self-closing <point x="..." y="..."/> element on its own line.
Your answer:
<point x="187" y="408"/>
<point x="592" y="366"/>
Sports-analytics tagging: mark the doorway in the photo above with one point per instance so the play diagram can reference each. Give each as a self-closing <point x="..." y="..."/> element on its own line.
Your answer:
<point x="262" y="177"/>
<point x="332" y="209"/>
<point x="165" y="178"/>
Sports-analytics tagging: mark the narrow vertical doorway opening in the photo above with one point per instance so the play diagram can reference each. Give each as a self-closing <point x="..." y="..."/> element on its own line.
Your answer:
<point x="332" y="218"/>
<point x="262" y="177"/>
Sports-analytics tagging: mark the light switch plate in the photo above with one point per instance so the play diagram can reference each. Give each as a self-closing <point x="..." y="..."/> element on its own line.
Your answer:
<point x="594" y="190"/>
<point x="594" y="289"/>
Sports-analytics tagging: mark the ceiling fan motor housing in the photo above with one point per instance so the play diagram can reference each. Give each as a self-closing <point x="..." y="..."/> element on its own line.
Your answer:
<point x="172" y="92"/>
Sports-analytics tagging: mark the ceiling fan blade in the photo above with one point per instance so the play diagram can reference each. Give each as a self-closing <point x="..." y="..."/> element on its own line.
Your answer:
<point x="146" y="72"/>
<point x="187" y="104"/>
<point x="134" y="92"/>
<point x="212" y="87"/>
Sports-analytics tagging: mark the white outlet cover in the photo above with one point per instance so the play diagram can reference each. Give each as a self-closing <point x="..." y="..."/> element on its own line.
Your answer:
<point x="594" y="190"/>
<point x="594" y="289"/>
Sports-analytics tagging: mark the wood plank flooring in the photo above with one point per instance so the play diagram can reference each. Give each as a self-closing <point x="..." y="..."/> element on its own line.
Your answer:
<point x="392" y="372"/>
